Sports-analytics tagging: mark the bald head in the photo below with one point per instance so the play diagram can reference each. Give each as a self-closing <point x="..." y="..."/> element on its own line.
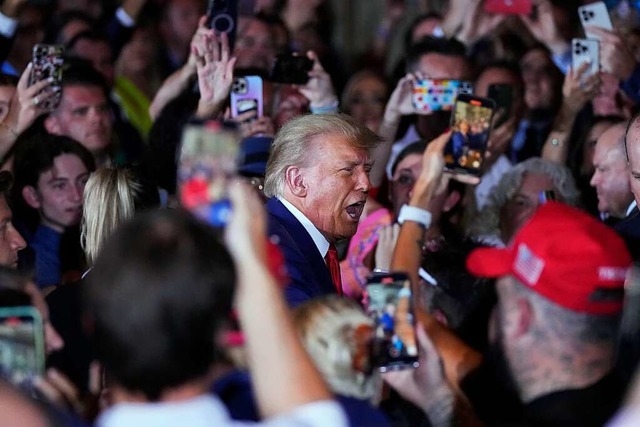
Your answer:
<point x="611" y="176"/>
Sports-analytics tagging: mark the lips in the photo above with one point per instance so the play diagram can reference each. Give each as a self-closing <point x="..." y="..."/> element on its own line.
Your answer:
<point x="355" y="210"/>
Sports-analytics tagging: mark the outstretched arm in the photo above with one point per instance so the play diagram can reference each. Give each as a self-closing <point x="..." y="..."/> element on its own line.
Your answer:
<point x="284" y="377"/>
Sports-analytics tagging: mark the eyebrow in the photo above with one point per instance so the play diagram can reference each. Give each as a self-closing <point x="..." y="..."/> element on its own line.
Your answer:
<point x="635" y="174"/>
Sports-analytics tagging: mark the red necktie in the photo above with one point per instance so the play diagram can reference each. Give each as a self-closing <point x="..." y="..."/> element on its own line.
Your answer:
<point x="334" y="267"/>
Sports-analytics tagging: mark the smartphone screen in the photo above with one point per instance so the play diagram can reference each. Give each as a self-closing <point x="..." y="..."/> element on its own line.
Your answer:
<point x="47" y="63"/>
<point x="208" y="161"/>
<point x="470" y="126"/>
<point x="438" y="95"/>
<point x="21" y="345"/>
<point x="246" y="98"/>
<point x="291" y="69"/>
<point x="390" y="305"/>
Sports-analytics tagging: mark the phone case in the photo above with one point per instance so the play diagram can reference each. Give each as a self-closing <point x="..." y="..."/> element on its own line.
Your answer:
<point x="21" y="345"/>
<point x="48" y="62"/>
<point x="595" y="15"/>
<point x="470" y="125"/>
<point x="222" y="16"/>
<point x="208" y="161"/>
<point x="438" y="95"/>
<point x="585" y="51"/>
<point x="291" y="69"/>
<point x="508" y="7"/>
<point x="246" y="95"/>
<point x="390" y="305"/>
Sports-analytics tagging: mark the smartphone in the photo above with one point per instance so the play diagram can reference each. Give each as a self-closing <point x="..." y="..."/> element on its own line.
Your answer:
<point x="390" y="305"/>
<point x="207" y="163"/>
<point x="470" y="124"/>
<point x="594" y="15"/>
<point x="438" y="95"/>
<point x="22" y="353"/>
<point x="585" y="51"/>
<point x="502" y="95"/>
<point x="291" y="69"/>
<point x="246" y="96"/>
<point x="222" y="16"/>
<point x="48" y="62"/>
<point x="508" y="7"/>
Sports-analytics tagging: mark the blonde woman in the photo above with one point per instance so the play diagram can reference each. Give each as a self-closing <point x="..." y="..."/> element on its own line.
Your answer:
<point x="112" y="196"/>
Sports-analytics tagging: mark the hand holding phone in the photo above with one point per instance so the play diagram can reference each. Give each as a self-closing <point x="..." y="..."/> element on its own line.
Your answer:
<point x="470" y="125"/>
<point x="595" y="15"/>
<point x="47" y="63"/>
<point x="390" y="305"/>
<point x="208" y="162"/>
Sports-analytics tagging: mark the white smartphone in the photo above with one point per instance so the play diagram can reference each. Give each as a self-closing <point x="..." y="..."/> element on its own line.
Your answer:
<point x="246" y="96"/>
<point x="585" y="51"/>
<point x="595" y="15"/>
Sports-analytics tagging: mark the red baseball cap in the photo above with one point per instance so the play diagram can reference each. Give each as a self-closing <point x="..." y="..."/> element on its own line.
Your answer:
<point x="565" y="255"/>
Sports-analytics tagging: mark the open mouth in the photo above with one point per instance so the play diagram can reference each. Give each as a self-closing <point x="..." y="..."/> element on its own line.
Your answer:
<point x="355" y="210"/>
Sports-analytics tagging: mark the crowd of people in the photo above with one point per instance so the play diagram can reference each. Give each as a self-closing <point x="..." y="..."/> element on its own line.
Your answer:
<point x="506" y="296"/>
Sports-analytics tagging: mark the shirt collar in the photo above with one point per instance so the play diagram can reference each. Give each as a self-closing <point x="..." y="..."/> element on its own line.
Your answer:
<point x="631" y="207"/>
<point x="321" y="243"/>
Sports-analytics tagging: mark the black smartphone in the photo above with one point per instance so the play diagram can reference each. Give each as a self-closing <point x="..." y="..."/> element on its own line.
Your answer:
<point x="390" y="305"/>
<point x="291" y="69"/>
<point x="21" y="345"/>
<point x="470" y="126"/>
<point x="222" y="16"/>
<point x="502" y="95"/>
<point x="48" y="61"/>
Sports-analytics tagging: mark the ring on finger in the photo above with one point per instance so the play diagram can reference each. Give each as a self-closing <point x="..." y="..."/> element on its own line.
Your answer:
<point x="36" y="101"/>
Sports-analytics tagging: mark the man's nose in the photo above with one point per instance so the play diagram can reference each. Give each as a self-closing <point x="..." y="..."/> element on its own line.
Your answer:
<point x="17" y="242"/>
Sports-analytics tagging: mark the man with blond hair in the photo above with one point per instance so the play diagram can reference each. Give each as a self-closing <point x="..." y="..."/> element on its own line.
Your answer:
<point x="317" y="179"/>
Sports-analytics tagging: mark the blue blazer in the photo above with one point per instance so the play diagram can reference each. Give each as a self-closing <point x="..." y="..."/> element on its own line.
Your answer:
<point x="309" y="276"/>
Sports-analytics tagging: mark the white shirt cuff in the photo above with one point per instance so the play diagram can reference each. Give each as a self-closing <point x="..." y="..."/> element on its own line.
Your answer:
<point x="124" y="18"/>
<point x="8" y="25"/>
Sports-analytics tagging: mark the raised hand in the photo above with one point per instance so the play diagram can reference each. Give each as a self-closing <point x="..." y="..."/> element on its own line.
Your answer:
<point x="319" y="89"/>
<point x="215" y="71"/>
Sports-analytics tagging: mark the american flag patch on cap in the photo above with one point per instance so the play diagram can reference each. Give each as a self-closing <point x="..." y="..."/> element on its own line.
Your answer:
<point x="528" y="265"/>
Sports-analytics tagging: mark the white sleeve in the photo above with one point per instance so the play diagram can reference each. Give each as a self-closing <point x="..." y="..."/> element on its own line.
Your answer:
<point x="317" y="414"/>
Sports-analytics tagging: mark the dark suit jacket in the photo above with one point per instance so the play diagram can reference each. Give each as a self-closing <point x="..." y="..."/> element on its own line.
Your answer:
<point x="629" y="230"/>
<point x="309" y="276"/>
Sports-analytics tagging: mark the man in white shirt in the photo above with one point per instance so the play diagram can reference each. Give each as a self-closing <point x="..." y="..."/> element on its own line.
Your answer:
<point x="158" y="298"/>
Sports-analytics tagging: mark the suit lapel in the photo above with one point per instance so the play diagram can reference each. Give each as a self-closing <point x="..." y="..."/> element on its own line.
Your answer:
<point x="303" y="241"/>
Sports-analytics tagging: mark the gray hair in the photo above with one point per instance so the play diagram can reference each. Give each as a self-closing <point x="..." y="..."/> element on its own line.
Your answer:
<point x="488" y="219"/>
<point x="294" y="140"/>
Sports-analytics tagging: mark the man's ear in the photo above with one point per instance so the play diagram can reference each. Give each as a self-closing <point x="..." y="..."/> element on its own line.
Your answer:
<point x="30" y="195"/>
<point x="525" y="316"/>
<point x="451" y="201"/>
<point x="294" y="180"/>
<point x="52" y="125"/>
